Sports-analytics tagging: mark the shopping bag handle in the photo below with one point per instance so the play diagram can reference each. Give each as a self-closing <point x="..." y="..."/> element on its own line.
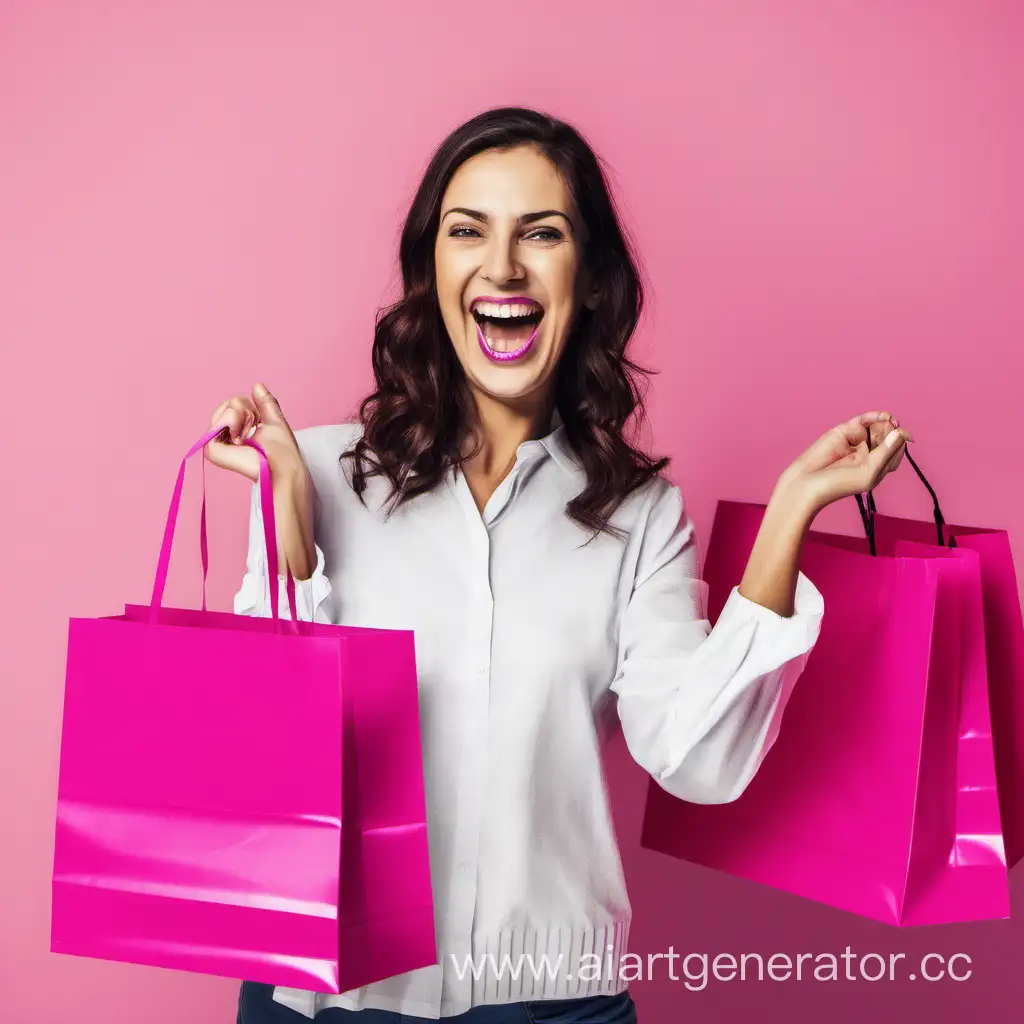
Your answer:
<point x="269" y="535"/>
<point x="867" y="514"/>
<point x="204" y="550"/>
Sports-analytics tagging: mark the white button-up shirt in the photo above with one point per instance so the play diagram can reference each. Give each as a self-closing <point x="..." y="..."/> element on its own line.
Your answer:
<point x="529" y="645"/>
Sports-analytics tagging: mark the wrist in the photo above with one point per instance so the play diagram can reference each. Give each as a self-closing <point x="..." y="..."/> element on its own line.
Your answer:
<point x="294" y="482"/>
<point x="792" y="503"/>
<point x="293" y="510"/>
<point x="769" y="578"/>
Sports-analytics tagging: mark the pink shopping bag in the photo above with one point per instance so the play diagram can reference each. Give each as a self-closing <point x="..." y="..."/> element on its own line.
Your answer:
<point x="1004" y="643"/>
<point x="242" y="796"/>
<point x="879" y="795"/>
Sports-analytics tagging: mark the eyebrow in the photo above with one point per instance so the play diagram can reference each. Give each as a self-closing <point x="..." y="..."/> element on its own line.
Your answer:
<point x="526" y="218"/>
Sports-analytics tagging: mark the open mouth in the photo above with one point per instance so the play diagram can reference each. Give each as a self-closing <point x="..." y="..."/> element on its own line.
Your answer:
<point x="506" y="330"/>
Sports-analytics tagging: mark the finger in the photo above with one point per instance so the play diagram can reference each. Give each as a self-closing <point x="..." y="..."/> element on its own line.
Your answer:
<point x="845" y="441"/>
<point x="838" y="442"/>
<point x="860" y="429"/>
<point x="267" y="404"/>
<point x="872" y="428"/>
<point x="886" y="456"/>
<point x="238" y="416"/>
<point x="879" y="429"/>
<point x="238" y="458"/>
<point x="250" y="418"/>
<point x="231" y="419"/>
<point x="895" y="460"/>
<point x="884" y="432"/>
<point x="865" y="471"/>
<point x="891" y="465"/>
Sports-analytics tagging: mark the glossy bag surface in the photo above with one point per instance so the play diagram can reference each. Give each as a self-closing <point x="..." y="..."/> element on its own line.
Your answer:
<point x="1004" y="646"/>
<point x="242" y="796"/>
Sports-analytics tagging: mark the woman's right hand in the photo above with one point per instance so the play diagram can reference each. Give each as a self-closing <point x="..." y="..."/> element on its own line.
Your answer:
<point x="258" y="417"/>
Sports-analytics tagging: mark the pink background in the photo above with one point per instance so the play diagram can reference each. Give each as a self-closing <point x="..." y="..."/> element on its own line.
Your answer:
<point x="196" y="196"/>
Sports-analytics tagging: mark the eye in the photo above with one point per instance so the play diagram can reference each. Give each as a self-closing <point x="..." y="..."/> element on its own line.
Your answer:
<point x="461" y="231"/>
<point x="546" y="235"/>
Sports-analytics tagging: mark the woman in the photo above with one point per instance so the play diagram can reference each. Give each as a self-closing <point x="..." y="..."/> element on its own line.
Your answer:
<point x="489" y="500"/>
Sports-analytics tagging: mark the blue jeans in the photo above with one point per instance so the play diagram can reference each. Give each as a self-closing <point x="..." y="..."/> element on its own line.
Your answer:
<point x="256" y="1006"/>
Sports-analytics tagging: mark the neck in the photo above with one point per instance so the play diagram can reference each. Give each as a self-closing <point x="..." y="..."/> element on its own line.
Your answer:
<point x="502" y="427"/>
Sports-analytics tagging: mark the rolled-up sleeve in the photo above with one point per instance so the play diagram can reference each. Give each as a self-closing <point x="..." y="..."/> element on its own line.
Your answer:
<point x="700" y="708"/>
<point x="253" y="597"/>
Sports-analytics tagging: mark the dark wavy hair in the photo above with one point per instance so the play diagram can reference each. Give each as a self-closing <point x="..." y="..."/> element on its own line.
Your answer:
<point x="416" y="420"/>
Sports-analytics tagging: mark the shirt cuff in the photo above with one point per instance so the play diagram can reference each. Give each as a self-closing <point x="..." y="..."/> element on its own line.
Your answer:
<point x="317" y="571"/>
<point x="797" y="632"/>
<point x="253" y="598"/>
<point x="310" y="594"/>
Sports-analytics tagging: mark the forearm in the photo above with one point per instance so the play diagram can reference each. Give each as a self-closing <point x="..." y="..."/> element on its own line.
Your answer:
<point x="771" y="573"/>
<point x="293" y="515"/>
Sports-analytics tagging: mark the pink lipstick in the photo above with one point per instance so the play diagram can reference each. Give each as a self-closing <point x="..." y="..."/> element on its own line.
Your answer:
<point x="512" y="354"/>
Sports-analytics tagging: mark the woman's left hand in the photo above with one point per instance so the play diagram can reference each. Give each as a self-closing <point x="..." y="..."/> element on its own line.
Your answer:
<point x="849" y="459"/>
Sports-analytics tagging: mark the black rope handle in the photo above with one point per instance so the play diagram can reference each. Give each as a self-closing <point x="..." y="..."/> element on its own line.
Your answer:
<point x="867" y="514"/>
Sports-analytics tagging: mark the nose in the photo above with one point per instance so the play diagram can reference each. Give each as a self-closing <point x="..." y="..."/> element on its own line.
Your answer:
<point x="500" y="263"/>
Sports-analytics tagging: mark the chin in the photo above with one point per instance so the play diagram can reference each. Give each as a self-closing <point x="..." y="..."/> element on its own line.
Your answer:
<point x="514" y="379"/>
<point x="507" y="387"/>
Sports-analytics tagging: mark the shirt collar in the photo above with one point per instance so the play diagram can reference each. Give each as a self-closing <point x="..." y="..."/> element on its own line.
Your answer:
<point x="556" y="445"/>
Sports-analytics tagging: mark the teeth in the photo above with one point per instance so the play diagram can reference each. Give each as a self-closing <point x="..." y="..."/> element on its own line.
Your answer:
<point x="501" y="344"/>
<point x="504" y="310"/>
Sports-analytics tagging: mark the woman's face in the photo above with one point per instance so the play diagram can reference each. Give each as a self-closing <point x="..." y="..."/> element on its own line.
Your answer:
<point x="508" y="256"/>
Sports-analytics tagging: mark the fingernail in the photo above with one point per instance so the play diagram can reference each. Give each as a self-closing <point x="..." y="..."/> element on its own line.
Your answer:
<point x="892" y="438"/>
<point x="260" y="389"/>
